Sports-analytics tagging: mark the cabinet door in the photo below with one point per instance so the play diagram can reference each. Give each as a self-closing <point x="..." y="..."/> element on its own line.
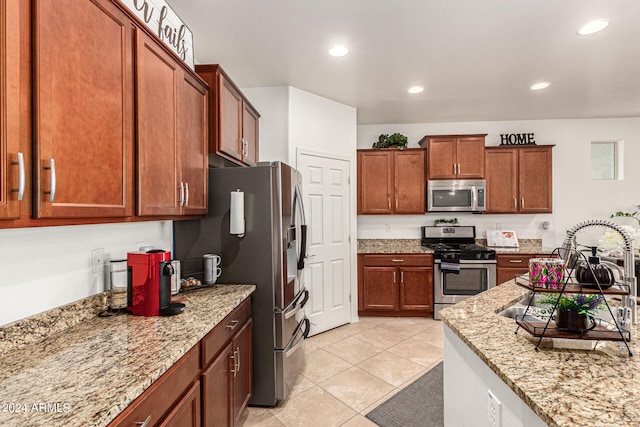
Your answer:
<point x="186" y="413"/>
<point x="470" y="157"/>
<point x="10" y="172"/>
<point x="250" y="133"/>
<point x="375" y="181"/>
<point x="217" y="390"/>
<point x="409" y="182"/>
<point x="506" y="274"/>
<point x="441" y="153"/>
<point x="416" y="288"/>
<point x="535" y="175"/>
<point x="380" y="286"/>
<point x="242" y="380"/>
<point x="230" y="126"/>
<point x="158" y="78"/>
<point x="83" y="109"/>
<point x="501" y="169"/>
<point x="193" y="145"/>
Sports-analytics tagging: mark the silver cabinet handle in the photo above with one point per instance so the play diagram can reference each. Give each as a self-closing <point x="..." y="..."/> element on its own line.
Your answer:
<point x="235" y="365"/>
<point x="186" y="198"/>
<point x="515" y="260"/>
<point x="21" y="176"/>
<point x="389" y="200"/>
<point x="238" y="358"/>
<point x="458" y="168"/>
<point x="396" y="203"/>
<point x="181" y="196"/>
<point x="515" y="203"/>
<point x="144" y="423"/>
<point x="233" y="324"/>
<point x="397" y="260"/>
<point x="402" y="277"/>
<point x="394" y="277"/>
<point x="52" y="171"/>
<point x="522" y="202"/>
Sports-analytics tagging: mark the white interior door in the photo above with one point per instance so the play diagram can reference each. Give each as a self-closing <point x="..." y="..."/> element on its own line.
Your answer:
<point x="328" y="268"/>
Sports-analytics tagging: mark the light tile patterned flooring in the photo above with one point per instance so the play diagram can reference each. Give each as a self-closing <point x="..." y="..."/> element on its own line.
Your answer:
<point x="352" y="369"/>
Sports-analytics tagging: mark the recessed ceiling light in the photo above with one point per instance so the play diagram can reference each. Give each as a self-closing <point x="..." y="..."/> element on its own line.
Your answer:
<point x="338" y="50"/>
<point x="415" y="89"/>
<point x="541" y="85"/>
<point x="593" y="27"/>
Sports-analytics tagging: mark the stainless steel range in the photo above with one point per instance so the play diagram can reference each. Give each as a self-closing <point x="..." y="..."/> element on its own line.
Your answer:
<point x="461" y="268"/>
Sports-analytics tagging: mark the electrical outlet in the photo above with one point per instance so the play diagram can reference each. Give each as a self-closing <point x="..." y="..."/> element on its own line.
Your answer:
<point x="97" y="260"/>
<point x="495" y="411"/>
<point x="387" y="228"/>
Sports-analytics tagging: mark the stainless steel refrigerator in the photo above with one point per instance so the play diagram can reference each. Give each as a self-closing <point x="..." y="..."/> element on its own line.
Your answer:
<point x="270" y="255"/>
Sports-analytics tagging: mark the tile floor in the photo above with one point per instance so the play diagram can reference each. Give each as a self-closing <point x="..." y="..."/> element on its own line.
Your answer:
<point x="352" y="369"/>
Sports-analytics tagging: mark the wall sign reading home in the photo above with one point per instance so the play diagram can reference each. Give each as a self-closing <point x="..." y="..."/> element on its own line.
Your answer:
<point x="517" y="139"/>
<point x="160" y="18"/>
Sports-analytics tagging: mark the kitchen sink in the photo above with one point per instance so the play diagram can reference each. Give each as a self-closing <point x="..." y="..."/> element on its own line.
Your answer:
<point x="526" y="309"/>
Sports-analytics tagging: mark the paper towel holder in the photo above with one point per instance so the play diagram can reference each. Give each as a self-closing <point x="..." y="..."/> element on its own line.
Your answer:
<point x="236" y="214"/>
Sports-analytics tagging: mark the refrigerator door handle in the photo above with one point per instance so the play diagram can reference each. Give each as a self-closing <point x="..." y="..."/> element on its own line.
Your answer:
<point x="293" y="345"/>
<point x="294" y="303"/>
<point x="297" y="202"/>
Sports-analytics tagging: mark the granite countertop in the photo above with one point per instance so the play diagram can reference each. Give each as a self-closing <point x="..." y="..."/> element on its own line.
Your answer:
<point x="412" y="246"/>
<point x="87" y="374"/>
<point x="391" y="246"/>
<point x="564" y="387"/>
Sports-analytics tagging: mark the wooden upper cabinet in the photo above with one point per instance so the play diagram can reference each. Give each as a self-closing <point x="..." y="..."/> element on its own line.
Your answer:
<point x="454" y="156"/>
<point x="233" y="121"/>
<point x="172" y="134"/>
<point x="158" y="87"/>
<point x="391" y="181"/>
<point x="192" y="139"/>
<point x="13" y="161"/>
<point x="535" y="179"/>
<point x="501" y="166"/>
<point x="409" y="182"/>
<point x="519" y="179"/>
<point x="83" y="109"/>
<point x="375" y="182"/>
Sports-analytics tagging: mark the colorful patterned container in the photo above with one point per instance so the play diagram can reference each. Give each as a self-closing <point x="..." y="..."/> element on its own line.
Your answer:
<point x="546" y="272"/>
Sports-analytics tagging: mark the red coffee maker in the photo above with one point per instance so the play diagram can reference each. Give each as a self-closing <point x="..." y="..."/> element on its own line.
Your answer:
<point x="149" y="284"/>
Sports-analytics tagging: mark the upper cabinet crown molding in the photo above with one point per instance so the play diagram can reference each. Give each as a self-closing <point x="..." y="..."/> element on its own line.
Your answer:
<point x="454" y="156"/>
<point x="233" y="121"/>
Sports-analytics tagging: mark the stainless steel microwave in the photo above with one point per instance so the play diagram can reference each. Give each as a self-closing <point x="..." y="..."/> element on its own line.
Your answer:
<point x="459" y="195"/>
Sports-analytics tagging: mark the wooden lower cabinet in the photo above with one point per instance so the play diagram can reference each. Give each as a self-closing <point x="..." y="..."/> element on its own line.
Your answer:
<point x="209" y="386"/>
<point x="187" y="412"/>
<point x="510" y="265"/>
<point x="226" y="378"/>
<point x="395" y="285"/>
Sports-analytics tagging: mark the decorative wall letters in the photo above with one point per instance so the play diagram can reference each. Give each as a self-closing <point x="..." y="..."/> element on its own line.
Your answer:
<point x="160" y="18"/>
<point x="517" y="139"/>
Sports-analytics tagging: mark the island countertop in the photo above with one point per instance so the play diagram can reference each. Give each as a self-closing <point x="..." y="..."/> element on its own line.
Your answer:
<point x="563" y="387"/>
<point x="90" y="372"/>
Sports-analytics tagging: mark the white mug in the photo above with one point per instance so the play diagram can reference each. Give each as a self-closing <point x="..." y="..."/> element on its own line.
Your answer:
<point x="211" y="269"/>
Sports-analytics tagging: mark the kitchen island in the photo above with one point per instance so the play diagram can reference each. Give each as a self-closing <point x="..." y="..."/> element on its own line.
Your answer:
<point x="556" y="387"/>
<point x="87" y="374"/>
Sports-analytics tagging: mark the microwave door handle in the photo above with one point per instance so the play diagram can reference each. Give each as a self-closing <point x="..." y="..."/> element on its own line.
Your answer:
<point x="475" y="198"/>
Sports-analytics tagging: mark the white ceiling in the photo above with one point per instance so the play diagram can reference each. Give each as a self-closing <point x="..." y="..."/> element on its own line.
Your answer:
<point x="475" y="58"/>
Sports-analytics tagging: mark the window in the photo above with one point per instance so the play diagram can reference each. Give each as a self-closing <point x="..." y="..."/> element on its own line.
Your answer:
<point x="605" y="160"/>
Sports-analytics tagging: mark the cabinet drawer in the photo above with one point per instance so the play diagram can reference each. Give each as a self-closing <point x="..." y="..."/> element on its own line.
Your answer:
<point x="218" y="337"/>
<point x="515" y="261"/>
<point x="161" y="396"/>
<point x="398" y="259"/>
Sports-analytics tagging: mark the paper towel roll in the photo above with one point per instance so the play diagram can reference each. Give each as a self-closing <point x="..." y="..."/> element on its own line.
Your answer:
<point x="236" y="214"/>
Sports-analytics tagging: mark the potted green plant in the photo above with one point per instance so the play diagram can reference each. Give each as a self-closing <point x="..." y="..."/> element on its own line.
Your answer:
<point x="575" y="312"/>
<point x="394" y="140"/>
